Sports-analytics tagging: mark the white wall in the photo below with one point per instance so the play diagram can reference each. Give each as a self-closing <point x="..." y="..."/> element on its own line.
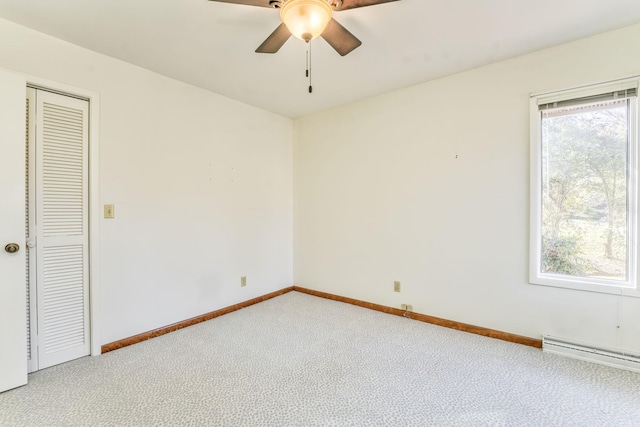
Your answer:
<point x="430" y="186"/>
<point x="201" y="186"/>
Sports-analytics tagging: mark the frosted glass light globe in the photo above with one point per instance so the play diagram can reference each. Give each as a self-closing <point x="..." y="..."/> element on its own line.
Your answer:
<point x="306" y="19"/>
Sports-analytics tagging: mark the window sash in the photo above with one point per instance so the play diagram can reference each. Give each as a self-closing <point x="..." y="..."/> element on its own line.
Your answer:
<point x="567" y="102"/>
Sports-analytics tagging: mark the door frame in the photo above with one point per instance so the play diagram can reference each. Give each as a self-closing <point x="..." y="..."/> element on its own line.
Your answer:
<point x="94" y="196"/>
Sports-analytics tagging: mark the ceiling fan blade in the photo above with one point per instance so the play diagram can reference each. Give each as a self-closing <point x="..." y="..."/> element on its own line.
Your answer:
<point x="340" y="38"/>
<point x="274" y="42"/>
<point x="262" y="3"/>
<point x="352" y="4"/>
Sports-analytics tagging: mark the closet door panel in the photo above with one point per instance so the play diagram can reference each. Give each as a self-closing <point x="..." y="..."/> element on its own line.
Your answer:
<point x="62" y="209"/>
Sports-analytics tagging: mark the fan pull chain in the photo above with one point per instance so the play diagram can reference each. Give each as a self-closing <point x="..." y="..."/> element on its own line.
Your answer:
<point x="309" y="66"/>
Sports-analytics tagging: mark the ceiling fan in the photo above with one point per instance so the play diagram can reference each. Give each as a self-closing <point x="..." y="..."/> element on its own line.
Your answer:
<point x="308" y="19"/>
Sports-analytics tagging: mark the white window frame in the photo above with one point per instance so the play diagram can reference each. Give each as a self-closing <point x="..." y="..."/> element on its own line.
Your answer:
<point x="536" y="277"/>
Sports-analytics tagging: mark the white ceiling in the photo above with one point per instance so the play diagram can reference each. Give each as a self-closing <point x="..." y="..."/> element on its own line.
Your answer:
<point x="211" y="44"/>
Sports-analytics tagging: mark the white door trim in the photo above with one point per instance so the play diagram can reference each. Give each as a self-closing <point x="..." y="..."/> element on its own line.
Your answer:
<point x="94" y="197"/>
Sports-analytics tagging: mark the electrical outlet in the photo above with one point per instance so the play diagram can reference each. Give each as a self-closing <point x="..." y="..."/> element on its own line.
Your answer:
<point x="243" y="281"/>
<point x="406" y="307"/>
<point x="396" y="286"/>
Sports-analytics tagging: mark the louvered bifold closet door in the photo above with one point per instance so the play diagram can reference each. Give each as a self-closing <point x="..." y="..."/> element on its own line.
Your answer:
<point x="62" y="246"/>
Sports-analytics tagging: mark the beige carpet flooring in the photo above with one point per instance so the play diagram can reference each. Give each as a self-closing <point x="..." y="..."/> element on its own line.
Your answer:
<point x="298" y="360"/>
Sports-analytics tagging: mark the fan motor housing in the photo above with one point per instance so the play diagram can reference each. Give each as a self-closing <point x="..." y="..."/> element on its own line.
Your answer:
<point x="277" y="4"/>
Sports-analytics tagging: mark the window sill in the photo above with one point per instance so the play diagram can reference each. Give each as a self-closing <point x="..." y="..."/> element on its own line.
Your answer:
<point x="577" y="285"/>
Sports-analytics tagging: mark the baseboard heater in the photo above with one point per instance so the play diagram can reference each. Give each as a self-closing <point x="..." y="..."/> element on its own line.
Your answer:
<point x="604" y="356"/>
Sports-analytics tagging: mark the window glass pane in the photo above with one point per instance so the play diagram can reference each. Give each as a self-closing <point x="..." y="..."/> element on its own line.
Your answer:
<point x="584" y="190"/>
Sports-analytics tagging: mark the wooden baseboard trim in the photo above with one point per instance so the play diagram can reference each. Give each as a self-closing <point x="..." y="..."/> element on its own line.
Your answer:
<point x="505" y="336"/>
<point x="189" y="322"/>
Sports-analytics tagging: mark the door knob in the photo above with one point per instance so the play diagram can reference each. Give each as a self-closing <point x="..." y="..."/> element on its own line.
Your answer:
<point x="12" y="248"/>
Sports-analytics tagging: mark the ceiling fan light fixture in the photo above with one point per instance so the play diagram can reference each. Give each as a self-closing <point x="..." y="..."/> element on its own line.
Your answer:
<point x="306" y="19"/>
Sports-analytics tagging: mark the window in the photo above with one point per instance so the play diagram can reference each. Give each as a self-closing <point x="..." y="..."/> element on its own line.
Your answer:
<point x="584" y="189"/>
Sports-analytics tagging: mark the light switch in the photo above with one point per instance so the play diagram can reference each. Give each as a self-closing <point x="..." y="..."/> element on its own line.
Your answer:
<point x="109" y="212"/>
